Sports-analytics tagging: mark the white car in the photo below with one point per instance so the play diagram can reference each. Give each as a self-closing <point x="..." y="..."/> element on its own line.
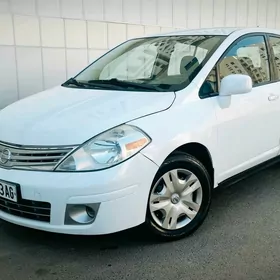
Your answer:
<point x="143" y="134"/>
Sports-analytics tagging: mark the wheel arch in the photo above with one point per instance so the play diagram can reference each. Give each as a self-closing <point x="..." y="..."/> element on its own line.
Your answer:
<point x="201" y="153"/>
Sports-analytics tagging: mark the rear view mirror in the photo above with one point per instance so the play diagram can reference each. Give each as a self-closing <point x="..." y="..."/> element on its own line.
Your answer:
<point x="235" y="84"/>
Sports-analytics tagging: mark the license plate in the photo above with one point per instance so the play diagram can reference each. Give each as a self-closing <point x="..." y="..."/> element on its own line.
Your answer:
<point x="8" y="191"/>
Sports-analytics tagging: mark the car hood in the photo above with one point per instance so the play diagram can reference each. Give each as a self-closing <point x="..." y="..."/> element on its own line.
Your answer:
<point x="69" y="116"/>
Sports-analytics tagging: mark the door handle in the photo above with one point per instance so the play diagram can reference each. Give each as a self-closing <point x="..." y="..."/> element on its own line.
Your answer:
<point x="273" y="97"/>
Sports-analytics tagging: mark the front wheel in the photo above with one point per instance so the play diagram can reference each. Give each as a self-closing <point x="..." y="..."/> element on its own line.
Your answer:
<point x="180" y="197"/>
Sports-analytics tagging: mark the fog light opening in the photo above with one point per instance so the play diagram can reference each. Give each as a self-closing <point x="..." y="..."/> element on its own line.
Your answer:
<point x="90" y="212"/>
<point x="81" y="214"/>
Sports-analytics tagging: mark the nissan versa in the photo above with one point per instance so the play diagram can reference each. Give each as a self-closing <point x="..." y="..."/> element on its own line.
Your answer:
<point x="143" y="134"/>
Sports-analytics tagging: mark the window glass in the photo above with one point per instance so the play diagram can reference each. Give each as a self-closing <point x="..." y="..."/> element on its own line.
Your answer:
<point x="210" y="85"/>
<point x="275" y="43"/>
<point x="249" y="57"/>
<point x="181" y="51"/>
<point x="164" y="63"/>
<point x="135" y="64"/>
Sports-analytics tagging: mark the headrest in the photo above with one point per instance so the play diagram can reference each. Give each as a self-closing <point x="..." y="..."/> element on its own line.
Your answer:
<point x="187" y="63"/>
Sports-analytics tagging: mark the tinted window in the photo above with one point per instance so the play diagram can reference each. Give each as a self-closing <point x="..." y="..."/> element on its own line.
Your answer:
<point x="248" y="56"/>
<point x="275" y="44"/>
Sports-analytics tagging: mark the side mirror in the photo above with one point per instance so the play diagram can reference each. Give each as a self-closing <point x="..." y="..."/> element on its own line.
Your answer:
<point x="235" y="84"/>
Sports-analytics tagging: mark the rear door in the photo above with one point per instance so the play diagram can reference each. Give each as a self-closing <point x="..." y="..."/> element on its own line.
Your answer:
<point x="274" y="97"/>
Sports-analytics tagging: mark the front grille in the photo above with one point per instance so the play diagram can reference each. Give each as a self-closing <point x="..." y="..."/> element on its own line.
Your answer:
<point x="31" y="157"/>
<point x="34" y="210"/>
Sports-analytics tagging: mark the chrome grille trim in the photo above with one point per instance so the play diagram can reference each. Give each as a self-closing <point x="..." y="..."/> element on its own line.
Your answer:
<point x="37" y="158"/>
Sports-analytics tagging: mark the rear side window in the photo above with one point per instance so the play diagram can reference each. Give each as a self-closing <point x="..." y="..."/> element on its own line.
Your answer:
<point x="249" y="57"/>
<point x="275" y="44"/>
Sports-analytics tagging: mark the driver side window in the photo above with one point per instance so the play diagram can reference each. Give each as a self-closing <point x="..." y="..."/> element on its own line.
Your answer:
<point x="248" y="57"/>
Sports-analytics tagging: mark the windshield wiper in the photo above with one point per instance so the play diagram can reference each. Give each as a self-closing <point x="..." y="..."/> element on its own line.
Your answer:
<point x="111" y="84"/>
<point x="92" y="85"/>
<point x="74" y="82"/>
<point x="121" y="83"/>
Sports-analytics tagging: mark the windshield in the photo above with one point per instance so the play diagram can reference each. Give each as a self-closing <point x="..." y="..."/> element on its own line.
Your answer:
<point x="149" y="64"/>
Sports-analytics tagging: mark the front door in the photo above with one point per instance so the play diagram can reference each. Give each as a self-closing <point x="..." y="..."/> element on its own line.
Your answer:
<point x="247" y="133"/>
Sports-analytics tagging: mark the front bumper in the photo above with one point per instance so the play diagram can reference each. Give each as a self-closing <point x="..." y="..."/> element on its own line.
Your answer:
<point x="122" y="192"/>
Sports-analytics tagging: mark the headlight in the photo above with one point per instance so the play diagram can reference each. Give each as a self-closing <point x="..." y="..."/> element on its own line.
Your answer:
<point x="106" y="150"/>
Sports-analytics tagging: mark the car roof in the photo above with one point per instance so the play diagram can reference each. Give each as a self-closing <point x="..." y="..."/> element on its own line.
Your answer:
<point x="217" y="31"/>
<point x="204" y="31"/>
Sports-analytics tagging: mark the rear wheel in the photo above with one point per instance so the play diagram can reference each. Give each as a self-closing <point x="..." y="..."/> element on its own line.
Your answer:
<point x="180" y="197"/>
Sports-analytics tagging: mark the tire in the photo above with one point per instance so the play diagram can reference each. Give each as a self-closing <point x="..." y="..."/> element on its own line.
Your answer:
<point x="195" y="204"/>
